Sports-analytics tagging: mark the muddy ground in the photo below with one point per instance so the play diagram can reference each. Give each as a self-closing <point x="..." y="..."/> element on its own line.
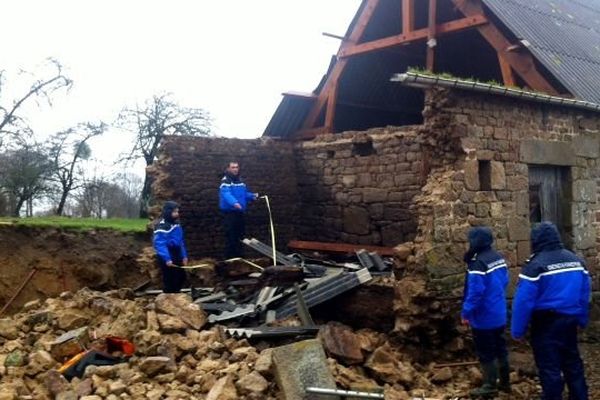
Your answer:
<point x="67" y="260"/>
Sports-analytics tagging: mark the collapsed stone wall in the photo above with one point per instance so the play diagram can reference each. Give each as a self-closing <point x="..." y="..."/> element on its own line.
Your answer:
<point x="358" y="187"/>
<point x="189" y="170"/>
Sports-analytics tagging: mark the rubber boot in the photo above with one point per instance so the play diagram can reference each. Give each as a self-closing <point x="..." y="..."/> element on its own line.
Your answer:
<point x="504" y="374"/>
<point x="488" y="389"/>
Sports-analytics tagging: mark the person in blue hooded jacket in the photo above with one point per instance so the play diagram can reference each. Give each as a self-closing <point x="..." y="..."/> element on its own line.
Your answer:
<point x="484" y="309"/>
<point x="553" y="295"/>
<point x="170" y="248"/>
<point x="234" y="197"/>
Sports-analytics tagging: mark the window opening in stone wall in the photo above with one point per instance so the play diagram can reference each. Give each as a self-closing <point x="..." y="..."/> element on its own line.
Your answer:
<point x="363" y="149"/>
<point x="485" y="175"/>
<point x="550" y="198"/>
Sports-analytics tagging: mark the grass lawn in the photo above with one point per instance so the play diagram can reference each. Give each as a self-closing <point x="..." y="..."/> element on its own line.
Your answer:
<point x="117" y="224"/>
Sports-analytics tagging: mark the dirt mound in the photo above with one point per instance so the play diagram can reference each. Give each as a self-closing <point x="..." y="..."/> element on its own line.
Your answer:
<point x="68" y="260"/>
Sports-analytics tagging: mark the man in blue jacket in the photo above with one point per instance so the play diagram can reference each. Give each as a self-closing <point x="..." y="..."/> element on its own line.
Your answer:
<point x="170" y="248"/>
<point x="553" y="294"/>
<point x="234" y="197"/>
<point x="484" y="309"/>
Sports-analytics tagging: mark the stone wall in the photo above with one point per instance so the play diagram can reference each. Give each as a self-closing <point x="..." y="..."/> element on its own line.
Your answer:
<point x="189" y="170"/>
<point x="358" y="187"/>
<point x="508" y="137"/>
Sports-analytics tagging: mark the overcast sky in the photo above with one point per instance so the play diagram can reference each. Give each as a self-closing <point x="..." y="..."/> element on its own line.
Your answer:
<point x="233" y="58"/>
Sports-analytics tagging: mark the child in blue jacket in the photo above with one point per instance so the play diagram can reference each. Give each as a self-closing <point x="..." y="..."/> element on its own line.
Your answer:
<point x="170" y="248"/>
<point x="484" y="309"/>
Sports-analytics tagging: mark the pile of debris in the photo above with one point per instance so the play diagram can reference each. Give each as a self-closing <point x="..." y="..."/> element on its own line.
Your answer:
<point x="251" y="296"/>
<point x="171" y="351"/>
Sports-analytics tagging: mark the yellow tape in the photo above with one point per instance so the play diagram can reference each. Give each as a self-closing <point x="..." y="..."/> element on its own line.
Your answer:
<point x="272" y="230"/>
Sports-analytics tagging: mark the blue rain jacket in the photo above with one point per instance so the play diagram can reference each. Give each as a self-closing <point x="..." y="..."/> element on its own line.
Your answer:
<point x="233" y="190"/>
<point x="484" y="302"/>
<point x="168" y="237"/>
<point x="554" y="279"/>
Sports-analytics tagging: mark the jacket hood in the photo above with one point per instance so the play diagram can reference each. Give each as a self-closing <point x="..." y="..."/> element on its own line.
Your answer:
<point x="167" y="211"/>
<point x="480" y="239"/>
<point x="545" y="236"/>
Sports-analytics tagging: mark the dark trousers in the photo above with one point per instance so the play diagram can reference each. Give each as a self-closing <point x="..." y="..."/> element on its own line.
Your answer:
<point x="173" y="278"/>
<point x="554" y="342"/>
<point x="235" y="229"/>
<point x="490" y="344"/>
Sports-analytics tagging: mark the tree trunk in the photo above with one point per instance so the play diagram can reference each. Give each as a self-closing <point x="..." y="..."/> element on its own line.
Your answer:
<point x="61" y="203"/>
<point x="145" y="196"/>
<point x="17" y="209"/>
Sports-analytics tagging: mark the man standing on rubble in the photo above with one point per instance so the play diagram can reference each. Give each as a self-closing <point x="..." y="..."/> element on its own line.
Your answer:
<point x="170" y="248"/>
<point x="234" y="197"/>
<point x="484" y="309"/>
<point x="553" y="294"/>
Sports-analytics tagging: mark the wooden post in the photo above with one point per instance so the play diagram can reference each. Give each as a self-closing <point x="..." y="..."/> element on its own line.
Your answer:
<point x="507" y="74"/>
<point x="408" y="16"/>
<point x="431" y="40"/>
<point x="330" y="111"/>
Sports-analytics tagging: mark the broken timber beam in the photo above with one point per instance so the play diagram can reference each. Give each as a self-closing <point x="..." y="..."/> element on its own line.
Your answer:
<point x="338" y="247"/>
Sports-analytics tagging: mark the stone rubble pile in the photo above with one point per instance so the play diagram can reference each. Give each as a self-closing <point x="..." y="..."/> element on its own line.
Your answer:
<point x="179" y="357"/>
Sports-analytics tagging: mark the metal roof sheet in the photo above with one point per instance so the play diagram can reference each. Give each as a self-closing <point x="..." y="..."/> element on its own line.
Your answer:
<point x="564" y="35"/>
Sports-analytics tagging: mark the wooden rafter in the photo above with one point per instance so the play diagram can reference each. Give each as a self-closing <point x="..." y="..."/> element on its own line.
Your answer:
<point x="431" y="41"/>
<point x="340" y="65"/>
<point x="520" y="61"/>
<point x="507" y="74"/>
<point x="408" y="16"/>
<point x="414" y="36"/>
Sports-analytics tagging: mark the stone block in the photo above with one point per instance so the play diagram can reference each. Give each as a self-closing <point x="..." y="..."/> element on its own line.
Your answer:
<point x="544" y="152"/>
<point x="356" y="220"/>
<point x="498" y="175"/>
<point x="518" y="229"/>
<point x="585" y="237"/>
<point x="586" y="146"/>
<point x="371" y="195"/>
<point x="522" y="203"/>
<point x="300" y="365"/>
<point x="472" y="175"/>
<point x="341" y="343"/>
<point x="392" y="235"/>
<point x="181" y="306"/>
<point x="70" y="344"/>
<point x="585" y="191"/>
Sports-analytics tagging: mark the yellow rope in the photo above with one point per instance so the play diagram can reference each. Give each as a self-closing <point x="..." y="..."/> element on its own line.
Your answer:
<point x="272" y="230"/>
<point x="245" y="261"/>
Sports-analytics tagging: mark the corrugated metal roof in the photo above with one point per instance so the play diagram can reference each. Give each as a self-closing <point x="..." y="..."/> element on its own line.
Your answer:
<point x="289" y="116"/>
<point x="563" y="35"/>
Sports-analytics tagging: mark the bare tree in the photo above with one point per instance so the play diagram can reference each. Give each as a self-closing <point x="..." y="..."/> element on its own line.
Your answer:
<point x="24" y="175"/>
<point x="11" y="121"/>
<point x="157" y="118"/>
<point x="67" y="149"/>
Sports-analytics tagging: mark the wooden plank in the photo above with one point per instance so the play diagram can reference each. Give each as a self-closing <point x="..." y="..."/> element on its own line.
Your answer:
<point x="408" y="16"/>
<point x="340" y="65"/>
<point x="507" y="74"/>
<point x="521" y="62"/>
<point x="338" y="247"/>
<point x="431" y="42"/>
<point x="414" y="36"/>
